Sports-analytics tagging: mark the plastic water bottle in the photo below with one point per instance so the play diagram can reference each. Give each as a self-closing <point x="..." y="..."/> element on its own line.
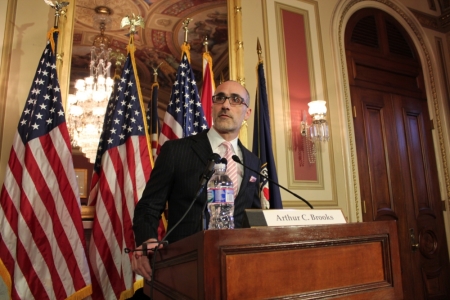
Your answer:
<point x="220" y="199"/>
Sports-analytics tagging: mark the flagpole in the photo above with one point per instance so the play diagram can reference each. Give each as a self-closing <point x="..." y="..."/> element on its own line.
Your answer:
<point x="259" y="50"/>
<point x="59" y="11"/>
<point x="185" y="48"/>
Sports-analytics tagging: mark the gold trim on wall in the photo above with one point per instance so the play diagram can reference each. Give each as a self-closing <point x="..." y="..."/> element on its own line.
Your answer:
<point x="269" y="82"/>
<point x="82" y="176"/>
<point x="65" y="41"/>
<point x="87" y="212"/>
<point x="5" y="61"/>
<point x="235" y="41"/>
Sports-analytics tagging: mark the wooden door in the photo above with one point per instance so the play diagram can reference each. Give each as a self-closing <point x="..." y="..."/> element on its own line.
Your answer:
<point x="395" y="154"/>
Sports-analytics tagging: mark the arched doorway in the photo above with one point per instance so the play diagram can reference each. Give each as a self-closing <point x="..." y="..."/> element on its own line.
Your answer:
<point x="395" y="155"/>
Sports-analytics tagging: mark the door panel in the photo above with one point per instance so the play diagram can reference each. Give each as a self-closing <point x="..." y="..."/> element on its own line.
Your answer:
<point x="398" y="179"/>
<point x="421" y="186"/>
<point x="379" y="159"/>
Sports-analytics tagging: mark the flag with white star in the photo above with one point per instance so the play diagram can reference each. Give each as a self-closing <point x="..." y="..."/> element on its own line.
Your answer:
<point x="42" y="246"/>
<point x="122" y="168"/>
<point x="184" y="115"/>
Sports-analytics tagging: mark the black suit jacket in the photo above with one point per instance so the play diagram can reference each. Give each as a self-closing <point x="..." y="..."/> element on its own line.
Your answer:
<point x="175" y="178"/>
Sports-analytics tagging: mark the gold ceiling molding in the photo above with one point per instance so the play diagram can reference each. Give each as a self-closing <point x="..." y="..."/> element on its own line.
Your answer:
<point x="427" y="66"/>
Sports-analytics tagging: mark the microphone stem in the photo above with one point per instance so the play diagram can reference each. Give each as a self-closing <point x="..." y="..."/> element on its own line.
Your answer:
<point x="276" y="183"/>
<point x="301" y="198"/>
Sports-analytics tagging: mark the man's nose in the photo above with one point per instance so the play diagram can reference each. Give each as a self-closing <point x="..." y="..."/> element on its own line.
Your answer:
<point x="226" y="103"/>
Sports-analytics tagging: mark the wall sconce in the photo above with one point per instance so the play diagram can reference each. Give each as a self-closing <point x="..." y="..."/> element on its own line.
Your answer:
<point x="318" y="130"/>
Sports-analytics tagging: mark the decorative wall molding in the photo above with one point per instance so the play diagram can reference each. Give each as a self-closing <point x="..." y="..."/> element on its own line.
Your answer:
<point x="5" y="60"/>
<point x="438" y="23"/>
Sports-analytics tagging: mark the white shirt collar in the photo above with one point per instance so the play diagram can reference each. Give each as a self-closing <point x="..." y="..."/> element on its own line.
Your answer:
<point x="215" y="139"/>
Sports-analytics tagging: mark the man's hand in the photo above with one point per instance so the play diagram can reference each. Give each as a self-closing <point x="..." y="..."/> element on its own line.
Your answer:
<point x="140" y="262"/>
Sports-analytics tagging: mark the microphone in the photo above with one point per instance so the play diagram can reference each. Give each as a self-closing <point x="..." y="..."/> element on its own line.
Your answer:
<point x="209" y="171"/>
<point x="236" y="159"/>
<point x="224" y="161"/>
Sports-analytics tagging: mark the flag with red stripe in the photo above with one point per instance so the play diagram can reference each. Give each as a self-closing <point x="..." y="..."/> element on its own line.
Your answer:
<point x="42" y="245"/>
<point x="184" y="115"/>
<point x="122" y="168"/>
<point x="208" y="87"/>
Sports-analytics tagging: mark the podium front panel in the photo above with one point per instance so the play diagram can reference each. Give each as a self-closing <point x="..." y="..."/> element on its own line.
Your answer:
<point x="351" y="261"/>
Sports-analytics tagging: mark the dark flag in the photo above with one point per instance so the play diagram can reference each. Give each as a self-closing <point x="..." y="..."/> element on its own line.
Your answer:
<point x="42" y="246"/>
<point x="262" y="145"/>
<point x="155" y="127"/>
<point x="154" y="130"/>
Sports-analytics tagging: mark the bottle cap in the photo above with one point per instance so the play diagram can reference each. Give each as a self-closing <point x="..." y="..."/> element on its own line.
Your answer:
<point x="220" y="166"/>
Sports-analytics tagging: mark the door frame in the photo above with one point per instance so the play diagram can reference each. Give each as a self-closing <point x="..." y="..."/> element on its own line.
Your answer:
<point x="435" y="92"/>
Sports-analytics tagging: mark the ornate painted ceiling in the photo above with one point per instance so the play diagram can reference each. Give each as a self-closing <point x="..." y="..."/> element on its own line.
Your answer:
<point x="158" y="42"/>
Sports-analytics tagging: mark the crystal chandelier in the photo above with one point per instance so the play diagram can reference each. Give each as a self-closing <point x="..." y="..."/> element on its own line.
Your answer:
<point x="87" y="106"/>
<point x="318" y="130"/>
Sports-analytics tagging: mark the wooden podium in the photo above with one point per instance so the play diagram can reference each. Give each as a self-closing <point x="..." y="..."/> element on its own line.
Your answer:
<point x="351" y="261"/>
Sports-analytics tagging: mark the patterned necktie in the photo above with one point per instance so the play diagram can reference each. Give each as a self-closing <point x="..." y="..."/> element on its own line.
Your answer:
<point x="231" y="166"/>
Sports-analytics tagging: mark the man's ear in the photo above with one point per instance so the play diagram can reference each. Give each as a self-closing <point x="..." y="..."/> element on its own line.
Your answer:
<point x="247" y="113"/>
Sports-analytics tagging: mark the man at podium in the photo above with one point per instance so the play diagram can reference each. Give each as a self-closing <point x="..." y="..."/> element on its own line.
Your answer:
<point x="178" y="170"/>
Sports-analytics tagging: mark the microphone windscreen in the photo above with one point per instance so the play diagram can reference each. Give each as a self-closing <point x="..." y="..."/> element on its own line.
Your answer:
<point x="236" y="159"/>
<point x="215" y="158"/>
<point x="224" y="161"/>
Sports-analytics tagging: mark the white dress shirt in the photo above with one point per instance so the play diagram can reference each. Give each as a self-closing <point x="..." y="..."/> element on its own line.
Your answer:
<point x="216" y="140"/>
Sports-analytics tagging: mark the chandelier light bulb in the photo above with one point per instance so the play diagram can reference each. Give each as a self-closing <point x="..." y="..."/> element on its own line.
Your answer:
<point x="75" y="110"/>
<point x="109" y="82"/>
<point x="72" y="99"/>
<point x="98" y="111"/>
<point x="80" y="84"/>
<point x="98" y="96"/>
<point x="90" y="129"/>
<point x="101" y="80"/>
<point x="81" y="96"/>
<point x="89" y="80"/>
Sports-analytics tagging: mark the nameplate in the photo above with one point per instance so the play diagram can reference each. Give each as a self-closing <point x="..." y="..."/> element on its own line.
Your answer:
<point x="292" y="217"/>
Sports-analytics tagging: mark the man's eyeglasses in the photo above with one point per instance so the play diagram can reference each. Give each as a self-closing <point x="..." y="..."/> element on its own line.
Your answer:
<point x="234" y="100"/>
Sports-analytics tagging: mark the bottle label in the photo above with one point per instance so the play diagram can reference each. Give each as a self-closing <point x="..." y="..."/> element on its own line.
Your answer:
<point x="222" y="195"/>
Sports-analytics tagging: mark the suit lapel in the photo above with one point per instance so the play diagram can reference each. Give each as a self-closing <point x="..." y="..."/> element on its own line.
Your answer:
<point x="246" y="174"/>
<point x="202" y="147"/>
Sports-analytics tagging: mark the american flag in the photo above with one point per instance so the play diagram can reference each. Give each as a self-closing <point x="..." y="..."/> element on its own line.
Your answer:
<point x="184" y="115"/>
<point x="208" y="86"/>
<point x="122" y="168"/>
<point x="42" y="244"/>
